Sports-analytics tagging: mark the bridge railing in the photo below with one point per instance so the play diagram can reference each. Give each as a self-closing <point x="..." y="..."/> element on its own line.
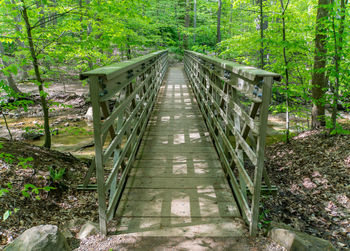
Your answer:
<point x="234" y="100"/>
<point x="122" y="97"/>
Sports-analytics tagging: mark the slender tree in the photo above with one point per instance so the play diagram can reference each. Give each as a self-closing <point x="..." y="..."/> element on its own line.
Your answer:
<point x="10" y="81"/>
<point x="194" y="20"/>
<point x="286" y="70"/>
<point x="39" y="80"/>
<point x="320" y="59"/>
<point x="218" y="26"/>
<point x="338" y="38"/>
<point x="187" y="24"/>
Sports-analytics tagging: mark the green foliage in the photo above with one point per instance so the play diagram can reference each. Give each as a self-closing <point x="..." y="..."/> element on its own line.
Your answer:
<point x="56" y="175"/>
<point x="337" y="130"/>
<point x="39" y="130"/>
<point x="23" y="162"/>
<point x="7" y="157"/>
<point x="11" y="100"/>
<point x="76" y="131"/>
<point x="264" y="222"/>
<point x="31" y="190"/>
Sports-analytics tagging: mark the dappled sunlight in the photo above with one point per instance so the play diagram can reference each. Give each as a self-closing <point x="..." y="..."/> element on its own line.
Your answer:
<point x="165" y="118"/>
<point x="179" y="139"/>
<point x="179" y="169"/>
<point x="177" y="187"/>
<point x="181" y="207"/>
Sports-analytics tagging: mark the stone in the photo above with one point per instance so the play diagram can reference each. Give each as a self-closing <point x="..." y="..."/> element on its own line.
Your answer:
<point x="88" y="114"/>
<point x="88" y="229"/>
<point x="39" y="238"/>
<point x="294" y="240"/>
<point x="32" y="135"/>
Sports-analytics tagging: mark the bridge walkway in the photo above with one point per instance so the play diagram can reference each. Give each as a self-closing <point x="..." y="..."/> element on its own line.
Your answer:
<point x="177" y="186"/>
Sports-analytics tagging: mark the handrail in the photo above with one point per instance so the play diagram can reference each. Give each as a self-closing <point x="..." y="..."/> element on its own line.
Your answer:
<point x="131" y="87"/>
<point x="234" y="100"/>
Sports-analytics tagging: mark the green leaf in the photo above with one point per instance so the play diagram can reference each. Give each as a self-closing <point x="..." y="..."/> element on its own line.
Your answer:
<point x="25" y="194"/>
<point x="6" y="215"/>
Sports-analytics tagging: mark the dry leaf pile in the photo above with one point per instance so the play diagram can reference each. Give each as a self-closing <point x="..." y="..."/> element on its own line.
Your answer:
<point x="312" y="174"/>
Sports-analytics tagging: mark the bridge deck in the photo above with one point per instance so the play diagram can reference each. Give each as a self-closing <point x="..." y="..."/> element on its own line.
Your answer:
<point x="177" y="186"/>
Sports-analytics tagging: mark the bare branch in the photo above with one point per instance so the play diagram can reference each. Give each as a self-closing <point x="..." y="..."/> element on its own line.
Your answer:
<point x="48" y="44"/>
<point x="42" y="21"/>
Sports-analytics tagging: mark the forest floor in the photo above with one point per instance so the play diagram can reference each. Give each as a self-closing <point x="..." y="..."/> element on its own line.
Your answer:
<point x="312" y="174"/>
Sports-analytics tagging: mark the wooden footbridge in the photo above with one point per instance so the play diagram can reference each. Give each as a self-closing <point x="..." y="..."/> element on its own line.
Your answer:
<point x="177" y="155"/>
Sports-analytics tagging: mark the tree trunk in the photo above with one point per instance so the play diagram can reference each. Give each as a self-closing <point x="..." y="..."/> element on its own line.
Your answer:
<point x="262" y="62"/>
<point x="194" y="20"/>
<point x="10" y="81"/>
<point x="187" y="24"/>
<point x="231" y="18"/>
<point x="218" y="27"/>
<point x="338" y="48"/>
<point x="44" y="106"/>
<point x="17" y="19"/>
<point x="286" y="71"/>
<point x="318" y="76"/>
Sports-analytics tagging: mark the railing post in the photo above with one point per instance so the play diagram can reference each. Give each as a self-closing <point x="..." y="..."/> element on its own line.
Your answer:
<point x="264" y="109"/>
<point x="96" y="111"/>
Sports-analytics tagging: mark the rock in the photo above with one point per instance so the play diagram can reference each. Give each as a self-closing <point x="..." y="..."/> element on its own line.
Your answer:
<point x="66" y="124"/>
<point x="88" y="114"/>
<point x="294" y="240"/>
<point x="55" y="131"/>
<point x="40" y="238"/>
<point x="88" y="229"/>
<point x="32" y="135"/>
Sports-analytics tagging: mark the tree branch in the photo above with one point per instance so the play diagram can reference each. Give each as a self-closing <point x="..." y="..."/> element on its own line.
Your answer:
<point x="48" y="44"/>
<point x="42" y="21"/>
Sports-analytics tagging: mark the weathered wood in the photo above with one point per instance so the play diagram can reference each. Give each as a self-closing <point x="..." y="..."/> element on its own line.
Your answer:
<point x="167" y="195"/>
<point x="223" y="90"/>
<point x="268" y="81"/>
<point x="177" y="173"/>
<point x="181" y="207"/>
<point x="111" y="71"/>
<point x="96" y="111"/>
<point x="134" y="86"/>
<point x="248" y="72"/>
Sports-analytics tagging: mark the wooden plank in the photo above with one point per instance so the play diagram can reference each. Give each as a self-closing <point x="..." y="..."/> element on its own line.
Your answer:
<point x="178" y="207"/>
<point x="178" y="170"/>
<point x="182" y="226"/>
<point x="167" y="195"/>
<point x="190" y="162"/>
<point x="175" y="182"/>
